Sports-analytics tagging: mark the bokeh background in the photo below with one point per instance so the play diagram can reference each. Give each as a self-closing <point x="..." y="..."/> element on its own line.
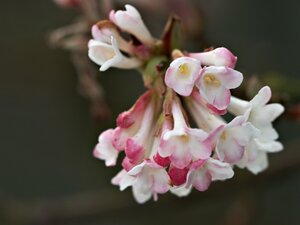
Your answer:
<point x="47" y="172"/>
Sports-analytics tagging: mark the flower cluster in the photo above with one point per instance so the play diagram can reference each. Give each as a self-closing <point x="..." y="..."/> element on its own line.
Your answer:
<point x="163" y="152"/>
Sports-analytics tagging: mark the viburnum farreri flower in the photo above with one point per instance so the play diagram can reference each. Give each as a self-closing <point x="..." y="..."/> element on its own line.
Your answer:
<point x="163" y="152"/>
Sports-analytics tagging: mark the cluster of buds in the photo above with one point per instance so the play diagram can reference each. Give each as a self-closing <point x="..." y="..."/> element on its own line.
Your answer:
<point x="163" y="152"/>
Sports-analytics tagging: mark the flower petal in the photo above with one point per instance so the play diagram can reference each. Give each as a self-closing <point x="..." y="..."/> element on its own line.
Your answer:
<point x="182" y="74"/>
<point x="219" y="170"/>
<point x="262" y="97"/>
<point x="123" y="179"/>
<point x="181" y="191"/>
<point x="131" y="21"/>
<point x="259" y="164"/>
<point x="201" y="179"/>
<point x="105" y="149"/>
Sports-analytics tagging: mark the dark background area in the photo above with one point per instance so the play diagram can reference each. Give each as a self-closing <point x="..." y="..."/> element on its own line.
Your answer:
<point x="47" y="172"/>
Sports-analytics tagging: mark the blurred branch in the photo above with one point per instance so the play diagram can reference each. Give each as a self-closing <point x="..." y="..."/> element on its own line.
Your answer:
<point x="89" y="86"/>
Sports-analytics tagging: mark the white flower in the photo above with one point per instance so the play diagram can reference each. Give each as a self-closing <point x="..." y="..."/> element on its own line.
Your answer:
<point x="261" y="116"/>
<point x="109" y="55"/>
<point x="230" y="138"/>
<point x="233" y="139"/>
<point x="215" y="84"/>
<point x="105" y="150"/>
<point x="182" y="74"/>
<point x="203" y="172"/>
<point x="134" y="133"/>
<point x="147" y="179"/>
<point x="103" y="31"/>
<point x="131" y="21"/>
<point x="182" y="144"/>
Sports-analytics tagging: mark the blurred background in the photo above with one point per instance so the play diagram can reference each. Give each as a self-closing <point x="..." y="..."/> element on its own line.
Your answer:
<point x="48" y="130"/>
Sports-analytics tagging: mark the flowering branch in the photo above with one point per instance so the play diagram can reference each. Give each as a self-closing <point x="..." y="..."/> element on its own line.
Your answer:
<point x="162" y="151"/>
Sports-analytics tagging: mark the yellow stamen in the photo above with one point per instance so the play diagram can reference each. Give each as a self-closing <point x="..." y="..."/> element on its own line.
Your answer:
<point x="184" y="69"/>
<point x="184" y="138"/>
<point x="211" y="80"/>
<point x="223" y="136"/>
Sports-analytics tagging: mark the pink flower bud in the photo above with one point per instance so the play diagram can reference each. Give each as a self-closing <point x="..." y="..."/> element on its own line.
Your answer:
<point x="178" y="176"/>
<point x="127" y="118"/>
<point x="216" y="57"/>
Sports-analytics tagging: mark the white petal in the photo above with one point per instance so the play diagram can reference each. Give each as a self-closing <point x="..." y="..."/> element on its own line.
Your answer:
<point x="161" y="181"/>
<point x="140" y="196"/>
<point x="263" y="97"/>
<point x="123" y="180"/>
<point x="272" y="111"/>
<point x="269" y="146"/>
<point x="137" y="169"/>
<point x="181" y="191"/>
<point x="219" y="170"/>
<point x="131" y="22"/>
<point x="201" y="179"/>
<point x="260" y="164"/>
<point x="182" y="74"/>
<point x="105" y="149"/>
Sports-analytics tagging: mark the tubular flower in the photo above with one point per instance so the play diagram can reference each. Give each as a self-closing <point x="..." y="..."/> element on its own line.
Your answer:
<point x="261" y="115"/>
<point x="103" y="31"/>
<point x="215" y="84"/>
<point x="109" y="55"/>
<point x="182" y="74"/>
<point x="216" y="57"/>
<point x="182" y="144"/>
<point x="147" y="179"/>
<point x="162" y="151"/>
<point x="203" y="172"/>
<point x="131" y="21"/>
<point x="230" y="139"/>
<point x="105" y="150"/>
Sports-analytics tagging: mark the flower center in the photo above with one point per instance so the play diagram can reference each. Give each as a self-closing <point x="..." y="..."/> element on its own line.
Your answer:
<point x="184" y="69"/>
<point x="111" y="55"/>
<point x="211" y="80"/>
<point x="184" y="138"/>
<point x="223" y="136"/>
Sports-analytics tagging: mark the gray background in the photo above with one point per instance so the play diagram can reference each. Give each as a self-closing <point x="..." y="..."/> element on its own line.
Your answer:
<point x="47" y="172"/>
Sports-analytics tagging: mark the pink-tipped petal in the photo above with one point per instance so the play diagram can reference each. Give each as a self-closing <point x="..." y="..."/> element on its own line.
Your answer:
<point x="201" y="180"/>
<point x="105" y="149"/>
<point x="215" y="84"/>
<point x="217" y="57"/>
<point x="127" y="118"/>
<point x="219" y="170"/>
<point x="123" y="180"/>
